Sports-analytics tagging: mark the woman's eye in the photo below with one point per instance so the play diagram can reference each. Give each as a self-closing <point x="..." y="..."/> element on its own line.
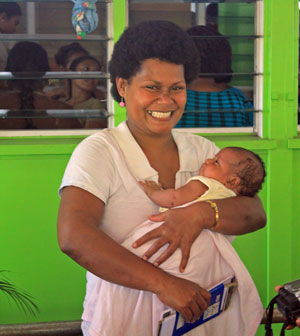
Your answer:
<point x="177" y="88"/>
<point x="152" y="87"/>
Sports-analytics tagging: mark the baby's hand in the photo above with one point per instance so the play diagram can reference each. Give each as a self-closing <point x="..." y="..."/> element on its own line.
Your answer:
<point x="150" y="186"/>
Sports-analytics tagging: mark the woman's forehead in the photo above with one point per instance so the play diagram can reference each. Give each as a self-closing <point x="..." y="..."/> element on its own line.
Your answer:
<point x="158" y="70"/>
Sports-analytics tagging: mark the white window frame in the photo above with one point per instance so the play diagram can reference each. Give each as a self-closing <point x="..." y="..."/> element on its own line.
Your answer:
<point x="257" y="87"/>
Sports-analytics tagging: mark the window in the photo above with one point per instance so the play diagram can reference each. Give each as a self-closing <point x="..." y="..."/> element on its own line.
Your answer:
<point x="51" y="104"/>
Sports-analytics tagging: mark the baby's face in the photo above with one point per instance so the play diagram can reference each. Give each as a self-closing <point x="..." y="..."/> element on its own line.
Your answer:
<point x="221" y="167"/>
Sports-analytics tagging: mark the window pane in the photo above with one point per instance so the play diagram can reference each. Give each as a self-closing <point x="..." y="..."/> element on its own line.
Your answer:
<point x="44" y="97"/>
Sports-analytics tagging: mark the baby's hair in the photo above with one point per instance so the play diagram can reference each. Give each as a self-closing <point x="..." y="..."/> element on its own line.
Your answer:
<point x="251" y="171"/>
<point x="10" y="9"/>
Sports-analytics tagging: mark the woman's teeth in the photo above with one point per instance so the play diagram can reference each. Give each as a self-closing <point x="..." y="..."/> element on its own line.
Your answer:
<point x="161" y="115"/>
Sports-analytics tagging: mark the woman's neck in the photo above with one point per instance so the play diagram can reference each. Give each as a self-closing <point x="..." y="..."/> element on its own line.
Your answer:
<point x="162" y="154"/>
<point x="207" y="84"/>
<point x="79" y="96"/>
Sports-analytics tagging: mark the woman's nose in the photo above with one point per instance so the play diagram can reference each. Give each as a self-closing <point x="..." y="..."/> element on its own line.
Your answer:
<point x="165" y="97"/>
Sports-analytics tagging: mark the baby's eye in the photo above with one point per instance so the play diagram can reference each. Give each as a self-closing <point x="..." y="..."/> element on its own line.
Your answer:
<point x="216" y="161"/>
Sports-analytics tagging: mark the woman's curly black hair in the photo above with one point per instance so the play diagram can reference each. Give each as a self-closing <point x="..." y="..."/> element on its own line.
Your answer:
<point x="163" y="40"/>
<point x="10" y="9"/>
<point x="214" y="52"/>
<point x="64" y="53"/>
<point x="32" y="59"/>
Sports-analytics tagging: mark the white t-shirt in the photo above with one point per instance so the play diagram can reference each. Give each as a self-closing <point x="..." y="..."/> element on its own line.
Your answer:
<point x="108" y="164"/>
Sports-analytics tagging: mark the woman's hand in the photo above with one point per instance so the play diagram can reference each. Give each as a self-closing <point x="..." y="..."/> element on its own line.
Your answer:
<point x="238" y="215"/>
<point x="180" y="229"/>
<point x="186" y="297"/>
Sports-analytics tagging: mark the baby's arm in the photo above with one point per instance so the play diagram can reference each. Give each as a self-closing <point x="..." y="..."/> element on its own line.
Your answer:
<point x="170" y="198"/>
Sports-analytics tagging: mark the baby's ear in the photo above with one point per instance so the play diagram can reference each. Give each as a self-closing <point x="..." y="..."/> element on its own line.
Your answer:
<point x="233" y="182"/>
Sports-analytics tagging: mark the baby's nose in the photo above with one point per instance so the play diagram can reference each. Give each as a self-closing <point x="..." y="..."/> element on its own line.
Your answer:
<point x="208" y="161"/>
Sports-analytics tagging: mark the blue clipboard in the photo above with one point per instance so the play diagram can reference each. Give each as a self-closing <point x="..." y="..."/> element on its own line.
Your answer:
<point x="172" y="323"/>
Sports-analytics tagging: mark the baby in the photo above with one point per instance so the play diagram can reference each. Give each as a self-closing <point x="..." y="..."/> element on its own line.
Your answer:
<point x="233" y="171"/>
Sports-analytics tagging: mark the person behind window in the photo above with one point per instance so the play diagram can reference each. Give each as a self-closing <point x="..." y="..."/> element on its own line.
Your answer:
<point x="63" y="59"/>
<point x="10" y="14"/>
<point x="212" y="92"/>
<point x="58" y="88"/>
<point x="26" y="96"/>
<point x="82" y="91"/>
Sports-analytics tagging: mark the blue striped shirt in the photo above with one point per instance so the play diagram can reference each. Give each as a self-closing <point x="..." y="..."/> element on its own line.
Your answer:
<point x="232" y="100"/>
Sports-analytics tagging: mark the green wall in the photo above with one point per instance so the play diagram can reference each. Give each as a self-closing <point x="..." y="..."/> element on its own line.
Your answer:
<point x="31" y="170"/>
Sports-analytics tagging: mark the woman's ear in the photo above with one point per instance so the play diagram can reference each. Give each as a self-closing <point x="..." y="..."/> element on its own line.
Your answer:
<point x="121" y="84"/>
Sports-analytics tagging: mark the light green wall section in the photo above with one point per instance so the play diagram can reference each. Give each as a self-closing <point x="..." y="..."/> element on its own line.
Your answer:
<point x="29" y="248"/>
<point x="280" y="108"/>
<point x="120" y="22"/>
<point x="31" y="170"/>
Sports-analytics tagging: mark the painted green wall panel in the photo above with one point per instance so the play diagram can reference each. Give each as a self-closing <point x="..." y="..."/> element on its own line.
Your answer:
<point x="30" y="246"/>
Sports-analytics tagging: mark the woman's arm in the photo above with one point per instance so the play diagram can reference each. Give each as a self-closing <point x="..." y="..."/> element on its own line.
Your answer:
<point x="80" y="214"/>
<point x="237" y="215"/>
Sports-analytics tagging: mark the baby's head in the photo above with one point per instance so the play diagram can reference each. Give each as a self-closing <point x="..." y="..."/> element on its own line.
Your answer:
<point x="238" y="169"/>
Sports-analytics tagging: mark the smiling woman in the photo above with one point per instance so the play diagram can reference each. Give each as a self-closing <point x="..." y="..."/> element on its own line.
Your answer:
<point x="160" y="92"/>
<point x="102" y="202"/>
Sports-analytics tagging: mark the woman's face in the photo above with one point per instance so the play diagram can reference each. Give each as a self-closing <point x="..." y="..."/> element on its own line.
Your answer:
<point x="9" y="25"/>
<point x="86" y="84"/>
<point x="155" y="97"/>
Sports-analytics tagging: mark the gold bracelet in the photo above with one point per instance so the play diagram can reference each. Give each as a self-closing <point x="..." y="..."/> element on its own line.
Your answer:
<point x="215" y="208"/>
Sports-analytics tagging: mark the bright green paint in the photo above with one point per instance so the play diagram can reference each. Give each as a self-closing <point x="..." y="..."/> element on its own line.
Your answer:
<point x="31" y="170"/>
<point x="120" y="23"/>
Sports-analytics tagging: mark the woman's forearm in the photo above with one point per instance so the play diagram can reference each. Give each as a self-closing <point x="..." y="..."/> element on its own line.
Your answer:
<point x="238" y="215"/>
<point x="80" y="238"/>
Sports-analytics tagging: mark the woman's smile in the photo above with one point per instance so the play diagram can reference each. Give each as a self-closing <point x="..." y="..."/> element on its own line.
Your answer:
<point x="160" y="114"/>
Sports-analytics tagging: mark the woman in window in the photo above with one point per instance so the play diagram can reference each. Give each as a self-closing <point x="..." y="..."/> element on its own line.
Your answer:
<point x="210" y="96"/>
<point x="82" y="92"/>
<point x="25" y="96"/>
